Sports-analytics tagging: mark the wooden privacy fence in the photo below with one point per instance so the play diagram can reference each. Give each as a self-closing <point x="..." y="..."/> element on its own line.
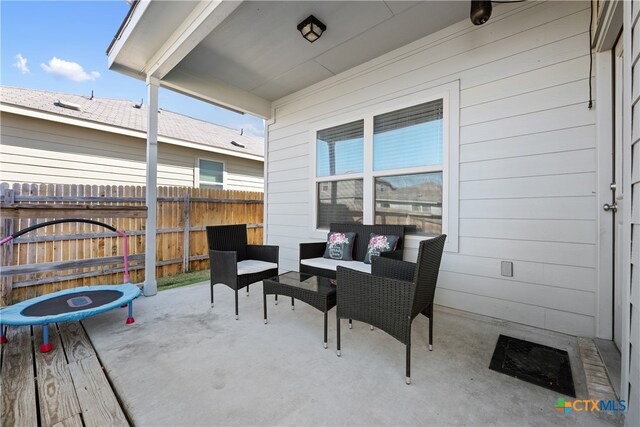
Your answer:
<point x="75" y="254"/>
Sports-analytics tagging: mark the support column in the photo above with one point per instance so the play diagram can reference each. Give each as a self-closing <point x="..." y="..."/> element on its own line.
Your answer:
<point x="150" y="284"/>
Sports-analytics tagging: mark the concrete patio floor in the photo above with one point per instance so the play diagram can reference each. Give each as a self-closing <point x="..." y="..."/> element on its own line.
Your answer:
<point x="184" y="363"/>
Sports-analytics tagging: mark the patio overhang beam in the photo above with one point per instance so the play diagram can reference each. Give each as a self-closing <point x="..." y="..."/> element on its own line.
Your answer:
<point x="138" y="9"/>
<point x="133" y="53"/>
<point x="204" y="18"/>
<point x="218" y="93"/>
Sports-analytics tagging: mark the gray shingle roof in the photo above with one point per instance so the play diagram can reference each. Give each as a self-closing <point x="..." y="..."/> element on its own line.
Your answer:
<point x="121" y="113"/>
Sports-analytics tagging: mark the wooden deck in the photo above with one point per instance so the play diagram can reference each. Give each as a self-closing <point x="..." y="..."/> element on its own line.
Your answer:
<point x="65" y="387"/>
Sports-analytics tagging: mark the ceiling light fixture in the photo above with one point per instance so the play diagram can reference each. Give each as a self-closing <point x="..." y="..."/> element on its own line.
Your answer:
<point x="311" y="28"/>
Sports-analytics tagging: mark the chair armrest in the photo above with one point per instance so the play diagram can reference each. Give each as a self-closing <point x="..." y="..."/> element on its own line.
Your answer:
<point x="373" y="299"/>
<point x="267" y="253"/>
<point x="312" y="250"/>
<point x="392" y="268"/>
<point x="397" y="254"/>
<point x="223" y="266"/>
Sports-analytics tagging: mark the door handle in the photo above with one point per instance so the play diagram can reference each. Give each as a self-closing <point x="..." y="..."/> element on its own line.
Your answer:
<point x="610" y="207"/>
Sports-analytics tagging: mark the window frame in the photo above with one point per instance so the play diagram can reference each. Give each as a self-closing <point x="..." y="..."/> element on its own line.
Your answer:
<point x="450" y="95"/>
<point x="196" y="174"/>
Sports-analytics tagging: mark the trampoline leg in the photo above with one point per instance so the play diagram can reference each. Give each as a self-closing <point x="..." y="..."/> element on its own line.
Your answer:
<point x="130" y="319"/>
<point x="3" y="339"/>
<point x="46" y="345"/>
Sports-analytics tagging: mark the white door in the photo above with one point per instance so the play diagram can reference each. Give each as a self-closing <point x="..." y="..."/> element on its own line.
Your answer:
<point x="618" y="195"/>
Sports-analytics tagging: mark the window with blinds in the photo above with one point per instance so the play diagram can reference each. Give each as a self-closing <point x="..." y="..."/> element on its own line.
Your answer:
<point x="401" y="178"/>
<point x="408" y="138"/>
<point x="339" y="150"/>
<point x="211" y="174"/>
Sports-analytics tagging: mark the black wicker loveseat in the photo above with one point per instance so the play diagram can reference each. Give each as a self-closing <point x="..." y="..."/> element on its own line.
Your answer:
<point x="311" y="254"/>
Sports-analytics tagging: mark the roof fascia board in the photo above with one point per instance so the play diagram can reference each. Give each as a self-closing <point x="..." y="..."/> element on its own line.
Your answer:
<point x="121" y="131"/>
<point x="219" y="93"/>
<point x="204" y="18"/>
<point x="135" y="18"/>
<point x="610" y="18"/>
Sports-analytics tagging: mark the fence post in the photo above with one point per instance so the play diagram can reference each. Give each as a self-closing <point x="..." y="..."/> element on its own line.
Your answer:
<point x="186" y="232"/>
<point x="7" y="250"/>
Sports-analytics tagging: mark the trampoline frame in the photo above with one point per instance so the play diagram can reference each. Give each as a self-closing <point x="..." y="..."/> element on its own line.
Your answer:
<point x="128" y="290"/>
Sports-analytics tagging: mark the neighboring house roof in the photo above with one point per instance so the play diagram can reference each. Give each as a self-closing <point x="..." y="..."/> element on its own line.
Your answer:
<point x="123" y="114"/>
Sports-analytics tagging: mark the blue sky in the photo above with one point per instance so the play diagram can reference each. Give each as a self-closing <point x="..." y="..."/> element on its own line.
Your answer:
<point x="60" y="46"/>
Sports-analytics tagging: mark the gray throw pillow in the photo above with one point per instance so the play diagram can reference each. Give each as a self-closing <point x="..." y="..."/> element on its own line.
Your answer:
<point x="379" y="244"/>
<point x="340" y="246"/>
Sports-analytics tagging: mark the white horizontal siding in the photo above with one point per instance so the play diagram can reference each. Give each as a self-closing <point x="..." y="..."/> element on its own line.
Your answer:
<point x="543" y="296"/>
<point x="567" y="162"/>
<point x="526" y="82"/>
<point x="528" y="145"/>
<point x="527" y="159"/>
<point x="577" y="208"/>
<point x="574" y="185"/>
<point x="631" y="291"/>
<point x="562" y="276"/>
<point x="39" y="151"/>
<point x="539" y="100"/>
<point x="568" y="231"/>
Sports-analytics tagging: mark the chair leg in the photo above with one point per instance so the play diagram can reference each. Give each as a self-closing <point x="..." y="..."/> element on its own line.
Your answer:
<point x="325" y="329"/>
<point x="293" y="307"/>
<point x="338" y="335"/>
<point x="237" y="317"/>
<point x="431" y="328"/>
<point x="408" y="364"/>
<point x="350" y="323"/>
<point x="264" y="305"/>
<point x="247" y="290"/>
<point x="276" y="299"/>
<point x="211" y="296"/>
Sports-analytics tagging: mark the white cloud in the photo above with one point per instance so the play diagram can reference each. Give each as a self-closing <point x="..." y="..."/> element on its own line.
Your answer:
<point x="69" y="70"/>
<point x="21" y="64"/>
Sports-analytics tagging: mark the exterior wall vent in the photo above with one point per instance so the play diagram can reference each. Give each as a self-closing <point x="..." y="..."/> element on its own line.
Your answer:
<point x="68" y="105"/>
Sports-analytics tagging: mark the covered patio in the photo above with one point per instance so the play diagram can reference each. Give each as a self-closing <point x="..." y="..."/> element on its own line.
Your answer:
<point x="528" y="172"/>
<point x="184" y="363"/>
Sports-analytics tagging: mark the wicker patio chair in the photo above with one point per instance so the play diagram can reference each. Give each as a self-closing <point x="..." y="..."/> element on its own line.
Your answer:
<point x="234" y="262"/>
<point x="392" y="295"/>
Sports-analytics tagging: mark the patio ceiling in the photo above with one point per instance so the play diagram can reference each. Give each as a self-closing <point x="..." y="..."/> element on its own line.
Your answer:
<point x="244" y="55"/>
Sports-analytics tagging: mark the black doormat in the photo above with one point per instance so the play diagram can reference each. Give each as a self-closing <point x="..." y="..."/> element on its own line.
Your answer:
<point x="534" y="363"/>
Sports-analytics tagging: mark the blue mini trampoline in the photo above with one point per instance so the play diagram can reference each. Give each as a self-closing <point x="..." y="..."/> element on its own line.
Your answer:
<point x="70" y="304"/>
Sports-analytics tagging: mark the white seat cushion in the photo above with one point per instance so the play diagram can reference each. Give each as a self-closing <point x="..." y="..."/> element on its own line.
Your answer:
<point x="252" y="266"/>
<point x="332" y="264"/>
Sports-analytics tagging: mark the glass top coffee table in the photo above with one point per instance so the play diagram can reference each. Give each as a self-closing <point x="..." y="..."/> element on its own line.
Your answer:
<point x="318" y="292"/>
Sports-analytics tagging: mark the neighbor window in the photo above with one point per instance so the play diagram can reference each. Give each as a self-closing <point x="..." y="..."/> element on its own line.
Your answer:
<point x="401" y="183"/>
<point x="211" y="174"/>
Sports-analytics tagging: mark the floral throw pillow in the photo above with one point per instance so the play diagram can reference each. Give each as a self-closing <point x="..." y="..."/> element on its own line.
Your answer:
<point x="379" y="244"/>
<point x="340" y="246"/>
